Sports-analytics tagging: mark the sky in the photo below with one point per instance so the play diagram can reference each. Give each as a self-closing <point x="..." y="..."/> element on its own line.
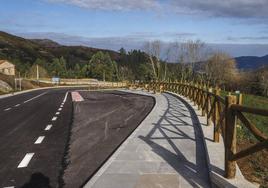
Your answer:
<point x="239" y="27"/>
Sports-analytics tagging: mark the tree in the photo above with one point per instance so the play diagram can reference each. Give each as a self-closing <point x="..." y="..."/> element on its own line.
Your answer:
<point x="77" y="71"/>
<point x="55" y="67"/>
<point x="102" y="67"/>
<point x="153" y="49"/>
<point x="221" y="70"/>
<point x="122" y="51"/>
<point x="32" y="73"/>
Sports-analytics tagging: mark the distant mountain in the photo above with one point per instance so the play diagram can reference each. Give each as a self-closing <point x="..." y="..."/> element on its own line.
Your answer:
<point x="46" y="43"/>
<point x="28" y="50"/>
<point x="251" y="62"/>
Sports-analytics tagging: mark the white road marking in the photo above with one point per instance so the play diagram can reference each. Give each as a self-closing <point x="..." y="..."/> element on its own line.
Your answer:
<point x="35" y="97"/>
<point x="61" y="106"/>
<point x="17" y="105"/>
<point x="25" y="161"/>
<point x="65" y="98"/>
<point x="54" y="118"/>
<point x="59" y="109"/>
<point x="48" y="127"/>
<point x="57" y="113"/>
<point x="39" y="140"/>
<point x="7" y="109"/>
<point x="9" y="187"/>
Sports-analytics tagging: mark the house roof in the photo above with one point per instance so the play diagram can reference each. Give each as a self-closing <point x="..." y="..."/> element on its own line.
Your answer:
<point x="3" y="61"/>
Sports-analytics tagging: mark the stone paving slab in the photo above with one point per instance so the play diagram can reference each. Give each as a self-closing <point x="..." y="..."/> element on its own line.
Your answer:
<point x="166" y="150"/>
<point x="215" y="153"/>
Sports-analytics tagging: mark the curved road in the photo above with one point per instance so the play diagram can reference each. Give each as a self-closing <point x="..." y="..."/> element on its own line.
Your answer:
<point x="35" y="129"/>
<point x="33" y="134"/>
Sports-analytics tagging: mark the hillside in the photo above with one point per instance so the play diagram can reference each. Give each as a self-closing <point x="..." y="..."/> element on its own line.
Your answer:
<point x="251" y="62"/>
<point x="27" y="51"/>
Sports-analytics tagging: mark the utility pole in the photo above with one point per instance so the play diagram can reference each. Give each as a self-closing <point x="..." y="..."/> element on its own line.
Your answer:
<point x="37" y="72"/>
<point x="20" y="81"/>
<point x="15" y="84"/>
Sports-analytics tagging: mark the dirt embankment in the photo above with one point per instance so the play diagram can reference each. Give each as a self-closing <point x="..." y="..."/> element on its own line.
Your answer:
<point x="254" y="167"/>
<point x="9" y="82"/>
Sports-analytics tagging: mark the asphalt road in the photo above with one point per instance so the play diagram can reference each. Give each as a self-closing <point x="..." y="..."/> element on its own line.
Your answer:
<point x="34" y="129"/>
<point x="101" y="123"/>
<point x="35" y="132"/>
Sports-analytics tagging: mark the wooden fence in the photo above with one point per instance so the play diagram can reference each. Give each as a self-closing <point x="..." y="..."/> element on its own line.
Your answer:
<point x="222" y="113"/>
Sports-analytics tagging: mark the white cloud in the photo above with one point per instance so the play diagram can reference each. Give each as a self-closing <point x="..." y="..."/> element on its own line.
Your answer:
<point x="121" y="5"/>
<point x="223" y="8"/>
<point x="219" y="8"/>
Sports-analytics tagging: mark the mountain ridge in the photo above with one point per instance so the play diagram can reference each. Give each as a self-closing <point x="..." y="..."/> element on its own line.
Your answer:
<point x="251" y="62"/>
<point x="28" y="50"/>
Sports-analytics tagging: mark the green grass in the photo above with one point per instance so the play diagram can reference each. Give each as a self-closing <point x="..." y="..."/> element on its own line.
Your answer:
<point x="261" y="122"/>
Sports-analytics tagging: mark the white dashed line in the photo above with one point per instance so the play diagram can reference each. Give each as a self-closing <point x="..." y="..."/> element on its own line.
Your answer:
<point x="35" y="97"/>
<point x="65" y="98"/>
<point x="25" y="161"/>
<point x="61" y="106"/>
<point x="54" y="118"/>
<point x="7" y="109"/>
<point x="48" y="127"/>
<point x="9" y="187"/>
<point x="57" y="113"/>
<point x="17" y="105"/>
<point x="59" y="109"/>
<point x="39" y="140"/>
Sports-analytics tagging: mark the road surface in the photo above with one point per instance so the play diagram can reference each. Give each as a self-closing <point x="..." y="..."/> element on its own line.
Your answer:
<point x="34" y="128"/>
<point x="100" y="124"/>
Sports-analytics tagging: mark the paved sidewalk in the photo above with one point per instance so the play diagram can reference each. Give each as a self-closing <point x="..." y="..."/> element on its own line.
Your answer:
<point x="166" y="150"/>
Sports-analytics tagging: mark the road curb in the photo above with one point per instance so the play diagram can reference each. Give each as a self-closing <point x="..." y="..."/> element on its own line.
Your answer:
<point x="215" y="155"/>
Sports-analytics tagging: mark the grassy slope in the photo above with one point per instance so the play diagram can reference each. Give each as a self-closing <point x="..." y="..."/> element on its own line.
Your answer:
<point x="257" y="102"/>
<point x="254" y="167"/>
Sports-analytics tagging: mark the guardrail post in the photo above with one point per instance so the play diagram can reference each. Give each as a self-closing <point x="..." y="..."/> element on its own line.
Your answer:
<point x="230" y="137"/>
<point x="209" y="107"/>
<point x="216" y="117"/>
<point x="239" y="101"/>
<point x="193" y="94"/>
<point x="203" y="101"/>
<point x="199" y="97"/>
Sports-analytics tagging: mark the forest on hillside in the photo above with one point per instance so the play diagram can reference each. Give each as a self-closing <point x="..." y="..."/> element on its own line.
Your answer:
<point x="190" y="61"/>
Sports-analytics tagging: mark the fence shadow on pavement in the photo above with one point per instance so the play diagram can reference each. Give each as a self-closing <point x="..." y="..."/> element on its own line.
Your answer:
<point x="176" y="127"/>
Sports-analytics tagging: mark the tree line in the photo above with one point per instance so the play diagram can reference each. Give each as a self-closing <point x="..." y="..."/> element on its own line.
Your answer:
<point x="190" y="61"/>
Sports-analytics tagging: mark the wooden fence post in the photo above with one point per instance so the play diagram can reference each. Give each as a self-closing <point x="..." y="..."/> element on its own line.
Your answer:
<point x="216" y="117"/>
<point x="193" y="94"/>
<point x="230" y="137"/>
<point x="203" y="100"/>
<point x="199" y="94"/>
<point x="209" y="107"/>
<point x="239" y="101"/>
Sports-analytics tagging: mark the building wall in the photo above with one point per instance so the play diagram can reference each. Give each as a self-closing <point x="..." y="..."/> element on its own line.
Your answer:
<point x="7" y="68"/>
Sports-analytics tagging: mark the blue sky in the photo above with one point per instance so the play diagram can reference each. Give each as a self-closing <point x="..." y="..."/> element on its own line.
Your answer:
<point x="114" y="23"/>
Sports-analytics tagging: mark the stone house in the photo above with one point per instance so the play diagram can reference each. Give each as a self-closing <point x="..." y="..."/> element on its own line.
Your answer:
<point x="7" y="68"/>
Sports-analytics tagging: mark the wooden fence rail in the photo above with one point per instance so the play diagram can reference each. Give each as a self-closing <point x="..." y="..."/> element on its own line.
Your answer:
<point x="223" y="113"/>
